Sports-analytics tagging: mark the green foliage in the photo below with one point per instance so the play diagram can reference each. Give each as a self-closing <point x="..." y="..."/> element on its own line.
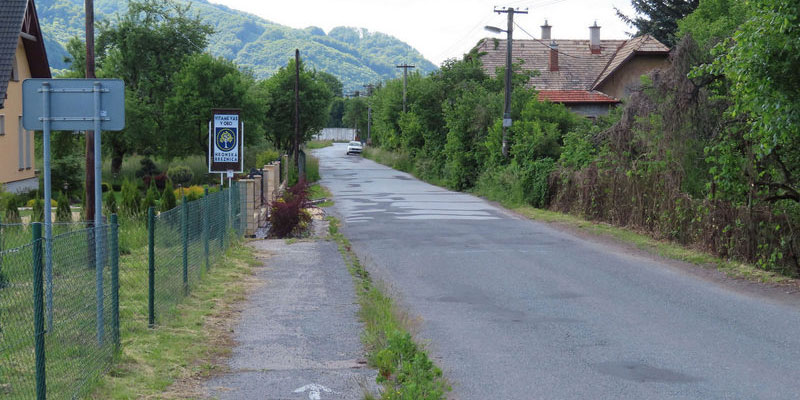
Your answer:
<point x="11" y="215"/>
<point x="312" y="169"/>
<point x="205" y="82"/>
<point x="145" y="46"/>
<point x="63" y="212"/>
<point x="278" y="92"/>
<point x="147" y="168"/>
<point x="151" y="197"/>
<point x="37" y="210"/>
<point x="266" y="157"/>
<point x="168" y="200"/>
<point x="760" y="66"/>
<point x="713" y="21"/>
<point x="110" y="202"/>
<point x="355" y="115"/>
<point x="659" y="18"/>
<point x="130" y="198"/>
<point x="180" y="174"/>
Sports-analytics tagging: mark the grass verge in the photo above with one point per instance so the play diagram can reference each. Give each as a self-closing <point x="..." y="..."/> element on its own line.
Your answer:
<point x="186" y="347"/>
<point x="319" y="192"/>
<point x="404" y="369"/>
<point x="317" y="144"/>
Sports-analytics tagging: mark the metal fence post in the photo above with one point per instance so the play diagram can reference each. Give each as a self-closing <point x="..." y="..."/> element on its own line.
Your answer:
<point x="185" y="237"/>
<point x="205" y="218"/>
<point x="114" y="249"/>
<point x="38" y="312"/>
<point x="151" y="263"/>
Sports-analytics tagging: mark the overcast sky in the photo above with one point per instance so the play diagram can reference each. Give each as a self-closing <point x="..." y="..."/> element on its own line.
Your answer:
<point x="442" y="29"/>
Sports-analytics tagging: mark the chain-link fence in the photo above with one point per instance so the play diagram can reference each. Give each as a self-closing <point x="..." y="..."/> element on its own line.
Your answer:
<point x="60" y="315"/>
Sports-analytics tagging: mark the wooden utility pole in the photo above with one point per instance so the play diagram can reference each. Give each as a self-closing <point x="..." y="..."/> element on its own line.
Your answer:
<point x="507" y="108"/>
<point x="89" y="183"/>
<point x="296" y="149"/>
<point x="370" y="87"/>
<point x="405" y="68"/>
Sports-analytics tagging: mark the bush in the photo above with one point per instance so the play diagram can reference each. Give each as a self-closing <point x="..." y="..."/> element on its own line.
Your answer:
<point x="151" y="196"/>
<point x="148" y="168"/>
<point x="160" y="180"/>
<point x="312" y="169"/>
<point x="37" y="214"/>
<point x="12" y="211"/>
<point x="130" y="198"/>
<point x="32" y="202"/>
<point x="192" y="193"/>
<point x="167" y="198"/>
<point x="110" y="203"/>
<point x="267" y="156"/>
<point x="287" y="214"/>
<point x="63" y="212"/>
<point x="180" y="174"/>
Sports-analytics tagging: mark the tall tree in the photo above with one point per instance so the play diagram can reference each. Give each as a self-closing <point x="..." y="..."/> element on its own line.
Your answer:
<point x="205" y="82"/>
<point x="278" y="98"/>
<point x="659" y="18"/>
<point x="145" y="47"/>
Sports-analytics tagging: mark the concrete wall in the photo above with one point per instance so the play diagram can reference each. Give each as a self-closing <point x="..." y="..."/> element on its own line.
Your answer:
<point x="16" y="176"/>
<point x="627" y="79"/>
<point x="336" y="134"/>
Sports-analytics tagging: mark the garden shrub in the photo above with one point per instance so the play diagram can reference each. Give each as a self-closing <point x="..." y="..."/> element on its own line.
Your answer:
<point x="267" y="156"/>
<point x="287" y="214"/>
<point x="168" y="201"/>
<point x="12" y="211"/>
<point x="110" y="203"/>
<point x="192" y="192"/>
<point x="180" y="174"/>
<point x="150" y="197"/>
<point x="37" y="213"/>
<point x="32" y="202"/>
<point x="130" y="198"/>
<point x="160" y="180"/>
<point x="63" y="212"/>
<point x="148" y="168"/>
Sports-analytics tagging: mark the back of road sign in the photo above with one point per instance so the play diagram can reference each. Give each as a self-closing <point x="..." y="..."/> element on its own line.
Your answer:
<point x="72" y="104"/>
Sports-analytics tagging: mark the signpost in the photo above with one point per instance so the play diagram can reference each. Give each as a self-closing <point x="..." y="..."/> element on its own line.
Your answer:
<point x="73" y="104"/>
<point x="225" y="142"/>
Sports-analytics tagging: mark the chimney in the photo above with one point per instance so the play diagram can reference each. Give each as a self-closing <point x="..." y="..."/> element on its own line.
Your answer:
<point x="546" y="31"/>
<point x="553" y="56"/>
<point x="594" y="35"/>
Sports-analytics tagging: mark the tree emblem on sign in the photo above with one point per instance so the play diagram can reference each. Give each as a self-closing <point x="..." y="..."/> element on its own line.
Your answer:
<point x="226" y="139"/>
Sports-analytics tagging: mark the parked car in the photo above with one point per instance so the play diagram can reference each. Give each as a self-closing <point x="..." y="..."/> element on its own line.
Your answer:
<point x="354" y="147"/>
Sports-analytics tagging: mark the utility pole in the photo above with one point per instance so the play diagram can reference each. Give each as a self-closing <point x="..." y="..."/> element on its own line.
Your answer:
<point x="507" y="104"/>
<point x="296" y="149"/>
<point x="405" y="68"/>
<point x="89" y="184"/>
<point x="369" y="87"/>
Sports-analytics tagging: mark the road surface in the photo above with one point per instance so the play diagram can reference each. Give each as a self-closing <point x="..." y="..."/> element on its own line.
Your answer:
<point x="516" y="309"/>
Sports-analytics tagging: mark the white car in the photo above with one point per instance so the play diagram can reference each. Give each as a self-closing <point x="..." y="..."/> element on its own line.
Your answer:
<point x="354" y="147"/>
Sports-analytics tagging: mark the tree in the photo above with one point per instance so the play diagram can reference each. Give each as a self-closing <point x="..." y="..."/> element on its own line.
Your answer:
<point x="659" y="18"/>
<point x="205" y="82"/>
<point x="278" y="98"/>
<point x="760" y="66"/>
<point x="144" y="48"/>
<point x="355" y="115"/>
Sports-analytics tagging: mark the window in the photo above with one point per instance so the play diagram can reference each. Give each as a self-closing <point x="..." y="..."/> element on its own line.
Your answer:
<point x="2" y="125"/>
<point x="21" y="146"/>
<point x="14" y="69"/>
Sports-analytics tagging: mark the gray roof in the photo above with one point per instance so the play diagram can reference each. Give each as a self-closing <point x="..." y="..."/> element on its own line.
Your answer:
<point x="12" y="13"/>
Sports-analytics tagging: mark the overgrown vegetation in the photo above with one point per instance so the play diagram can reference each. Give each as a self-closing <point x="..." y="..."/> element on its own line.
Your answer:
<point x="704" y="154"/>
<point x="288" y="214"/>
<point x="404" y="369"/>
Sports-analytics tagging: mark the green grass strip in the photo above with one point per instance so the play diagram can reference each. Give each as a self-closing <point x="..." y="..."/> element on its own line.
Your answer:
<point x="404" y="369"/>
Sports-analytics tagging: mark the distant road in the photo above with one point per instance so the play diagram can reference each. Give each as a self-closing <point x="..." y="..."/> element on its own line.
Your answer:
<point x="516" y="309"/>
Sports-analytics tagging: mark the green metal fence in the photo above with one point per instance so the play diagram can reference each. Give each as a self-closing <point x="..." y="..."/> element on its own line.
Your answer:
<point x="59" y="334"/>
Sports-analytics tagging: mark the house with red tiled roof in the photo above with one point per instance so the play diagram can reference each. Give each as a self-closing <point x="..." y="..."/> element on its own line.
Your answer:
<point x="588" y="76"/>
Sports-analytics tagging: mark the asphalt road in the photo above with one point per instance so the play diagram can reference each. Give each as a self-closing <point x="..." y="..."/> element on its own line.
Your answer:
<point x="515" y="309"/>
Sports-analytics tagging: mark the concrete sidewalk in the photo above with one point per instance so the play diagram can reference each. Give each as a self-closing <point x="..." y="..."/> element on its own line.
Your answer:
<point x="298" y="337"/>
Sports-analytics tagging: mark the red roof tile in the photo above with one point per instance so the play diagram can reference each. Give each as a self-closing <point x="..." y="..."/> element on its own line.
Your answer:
<point x="576" y="96"/>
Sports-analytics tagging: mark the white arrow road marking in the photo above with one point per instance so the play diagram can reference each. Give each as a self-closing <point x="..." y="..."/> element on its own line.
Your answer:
<point x="313" y="390"/>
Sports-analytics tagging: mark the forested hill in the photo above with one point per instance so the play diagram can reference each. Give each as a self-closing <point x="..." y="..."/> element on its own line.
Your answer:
<point x="356" y="56"/>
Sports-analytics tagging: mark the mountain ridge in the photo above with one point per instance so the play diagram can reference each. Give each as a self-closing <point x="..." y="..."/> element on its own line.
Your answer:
<point x="356" y="56"/>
